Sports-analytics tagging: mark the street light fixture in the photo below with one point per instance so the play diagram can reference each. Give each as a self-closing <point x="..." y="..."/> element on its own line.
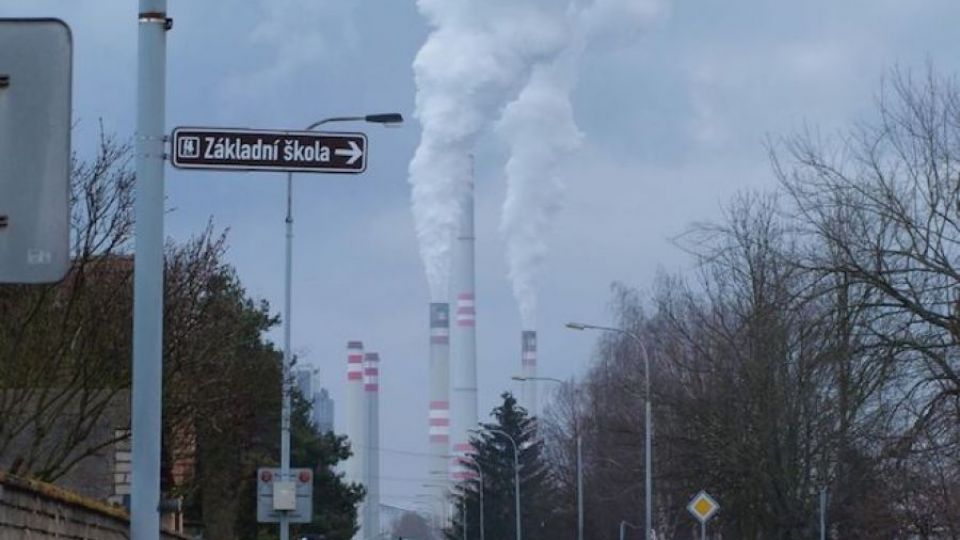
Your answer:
<point x="579" y="454"/>
<point x="648" y="420"/>
<point x="516" y="470"/>
<point x="390" y="118"/>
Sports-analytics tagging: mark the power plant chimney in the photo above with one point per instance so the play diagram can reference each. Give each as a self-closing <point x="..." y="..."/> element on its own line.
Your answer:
<point x="371" y="387"/>
<point x="464" y="336"/>
<point x="528" y="368"/>
<point x="439" y="412"/>
<point x="356" y="406"/>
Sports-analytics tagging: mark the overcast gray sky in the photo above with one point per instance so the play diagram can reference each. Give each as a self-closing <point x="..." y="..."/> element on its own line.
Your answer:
<point x="674" y="124"/>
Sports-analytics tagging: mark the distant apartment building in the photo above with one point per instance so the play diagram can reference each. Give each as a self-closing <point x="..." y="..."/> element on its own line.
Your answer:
<point x="321" y="404"/>
<point x="323" y="411"/>
<point x="304" y="380"/>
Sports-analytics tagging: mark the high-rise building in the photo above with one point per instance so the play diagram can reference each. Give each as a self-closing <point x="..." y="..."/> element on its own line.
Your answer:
<point x="323" y="411"/>
<point x="304" y="380"/>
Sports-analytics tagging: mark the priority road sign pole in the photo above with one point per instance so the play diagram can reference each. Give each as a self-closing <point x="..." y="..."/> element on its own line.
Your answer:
<point x="703" y="530"/>
<point x="148" y="271"/>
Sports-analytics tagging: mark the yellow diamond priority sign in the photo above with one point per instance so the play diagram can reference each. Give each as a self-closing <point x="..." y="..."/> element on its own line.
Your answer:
<point x="703" y="507"/>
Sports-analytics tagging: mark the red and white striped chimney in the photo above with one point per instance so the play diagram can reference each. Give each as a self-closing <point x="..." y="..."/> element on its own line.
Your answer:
<point x="356" y="412"/>
<point x="371" y="387"/>
<point x="464" y="336"/>
<point x="528" y="369"/>
<point x="439" y="411"/>
<point x="357" y="418"/>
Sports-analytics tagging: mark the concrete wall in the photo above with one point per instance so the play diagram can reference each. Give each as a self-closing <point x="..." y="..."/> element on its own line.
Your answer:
<point x="32" y="510"/>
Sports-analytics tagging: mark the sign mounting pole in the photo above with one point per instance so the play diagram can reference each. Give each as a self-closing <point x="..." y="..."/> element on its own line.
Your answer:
<point x="148" y="271"/>
<point x="287" y="356"/>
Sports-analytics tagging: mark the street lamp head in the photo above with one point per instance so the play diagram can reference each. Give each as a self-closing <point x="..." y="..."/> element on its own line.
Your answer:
<point x="520" y="378"/>
<point x="385" y="119"/>
<point x="576" y="326"/>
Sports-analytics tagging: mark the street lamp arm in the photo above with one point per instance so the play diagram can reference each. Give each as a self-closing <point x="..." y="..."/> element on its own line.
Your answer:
<point x="632" y="335"/>
<point x="548" y="379"/>
<point x="319" y="123"/>
<point x="498" y="431"/>
<point x="385" y="118"/>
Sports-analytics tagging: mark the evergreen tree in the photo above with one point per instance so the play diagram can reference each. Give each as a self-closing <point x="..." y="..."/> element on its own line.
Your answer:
<point x="494" y="455"/>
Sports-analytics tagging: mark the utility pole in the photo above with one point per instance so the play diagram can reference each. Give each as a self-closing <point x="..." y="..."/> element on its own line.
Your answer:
<point x="148" y="270"/>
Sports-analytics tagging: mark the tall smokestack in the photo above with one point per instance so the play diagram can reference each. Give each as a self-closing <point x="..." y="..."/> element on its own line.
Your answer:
<point x="464" y="336"/>
<point x="528" y="368"/>
<point x="439" y="413"/>
<point x="371" y="387"/>
<point x="356" y="407"/>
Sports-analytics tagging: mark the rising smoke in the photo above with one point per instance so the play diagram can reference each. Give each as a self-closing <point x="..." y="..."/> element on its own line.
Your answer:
<point x="517" y="60"/>
<point x="477" y="57"/>
<point x="541" y="131"/>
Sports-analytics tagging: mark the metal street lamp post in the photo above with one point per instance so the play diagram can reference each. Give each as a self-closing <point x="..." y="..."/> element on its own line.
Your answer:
<point x="579" y="455"/>
<point x="391" y="118"/>
<point x="480" y="473"/>
<point x="516" y="472"/>
<point x="648" y="420"/>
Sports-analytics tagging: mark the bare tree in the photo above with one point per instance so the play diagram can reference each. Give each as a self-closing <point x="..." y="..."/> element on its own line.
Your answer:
<point x="879" y="213"/>
<point x="63" y="347"/>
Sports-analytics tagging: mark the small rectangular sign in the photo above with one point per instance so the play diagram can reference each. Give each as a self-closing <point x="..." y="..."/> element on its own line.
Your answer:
<point x="267" y="150"/>
<point x="36" y="58"/>
<point x="279" y="494"/>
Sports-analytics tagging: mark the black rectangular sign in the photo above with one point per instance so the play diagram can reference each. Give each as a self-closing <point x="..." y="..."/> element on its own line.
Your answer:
<point x="259" y="150"/>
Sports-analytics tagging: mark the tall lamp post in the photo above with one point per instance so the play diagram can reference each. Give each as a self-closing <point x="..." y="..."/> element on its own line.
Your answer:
<point x="385" y="119"/>
<point x="480" y="473"/>
<point x="579" y="454"/>
<point x="648" y="420"/>
<point x="516" y="471"/>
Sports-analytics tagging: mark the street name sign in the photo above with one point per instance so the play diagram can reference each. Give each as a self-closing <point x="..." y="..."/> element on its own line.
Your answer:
<point x="267" y="150"/>
<point x="703" y="507"/>
<point x="291" y="495"/>
<point x="36" y="57"/>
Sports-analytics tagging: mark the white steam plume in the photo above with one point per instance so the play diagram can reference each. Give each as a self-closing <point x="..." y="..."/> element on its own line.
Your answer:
<point x="477" y="57"/>
<point x="540" y="129"/>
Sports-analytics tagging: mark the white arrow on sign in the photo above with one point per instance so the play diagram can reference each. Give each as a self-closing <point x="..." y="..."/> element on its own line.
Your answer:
<point x="354" y="152"/>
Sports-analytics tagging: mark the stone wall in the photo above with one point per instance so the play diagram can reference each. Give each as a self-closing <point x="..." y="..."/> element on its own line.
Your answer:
<point x="32" y="510"/>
